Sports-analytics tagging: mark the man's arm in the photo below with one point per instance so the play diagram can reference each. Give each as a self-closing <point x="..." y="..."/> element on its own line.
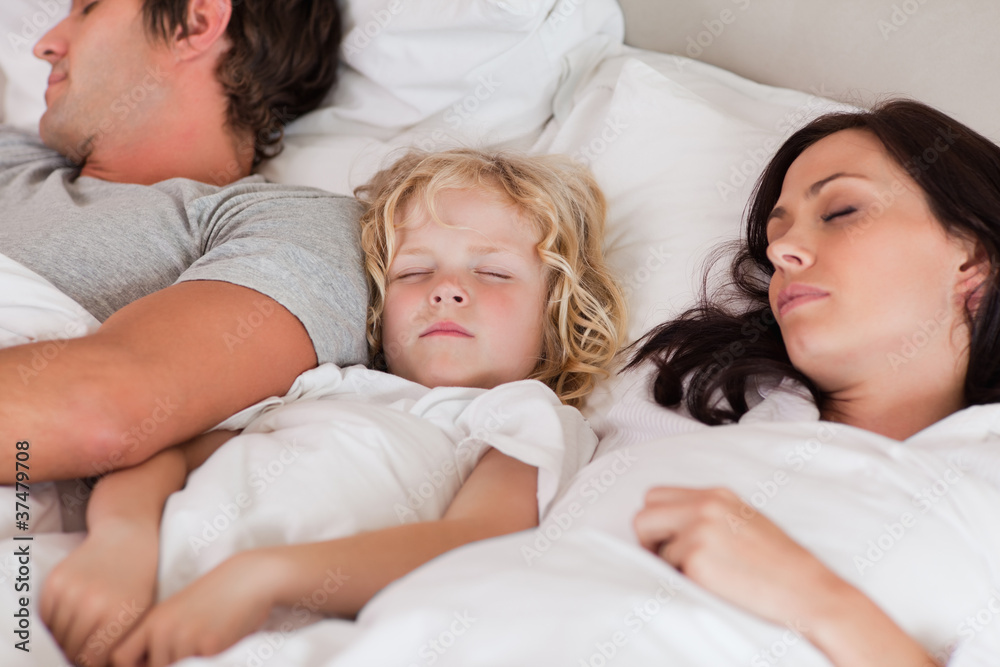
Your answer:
<point x="158" y="372"/>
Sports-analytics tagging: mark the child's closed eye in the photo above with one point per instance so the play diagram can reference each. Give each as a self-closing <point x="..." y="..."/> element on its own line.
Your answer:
<point x="411" y="274"/>
<point x="492" y="273"/>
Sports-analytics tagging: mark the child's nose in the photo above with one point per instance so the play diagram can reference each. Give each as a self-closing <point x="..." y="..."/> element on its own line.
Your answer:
<point x="448" y="291"/>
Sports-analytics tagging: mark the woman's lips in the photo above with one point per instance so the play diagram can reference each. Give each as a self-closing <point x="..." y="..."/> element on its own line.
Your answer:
<point x="798" y="301"/>
<point x="795" y="295"/>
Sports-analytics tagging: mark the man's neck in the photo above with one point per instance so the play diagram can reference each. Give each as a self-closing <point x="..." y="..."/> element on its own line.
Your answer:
<point x="183" y="148"/>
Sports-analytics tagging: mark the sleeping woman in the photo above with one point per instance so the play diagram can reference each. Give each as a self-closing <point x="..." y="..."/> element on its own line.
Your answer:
<point x="493" y="311"/>
<point x="870" y="265"/>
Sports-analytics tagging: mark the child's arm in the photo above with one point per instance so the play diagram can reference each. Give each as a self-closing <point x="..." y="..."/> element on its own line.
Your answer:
<point x="235" y="598"/>
<point x="103" y="587"/>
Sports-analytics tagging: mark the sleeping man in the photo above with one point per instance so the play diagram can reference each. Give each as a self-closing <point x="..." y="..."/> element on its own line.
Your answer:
<point x="214" y="288"/>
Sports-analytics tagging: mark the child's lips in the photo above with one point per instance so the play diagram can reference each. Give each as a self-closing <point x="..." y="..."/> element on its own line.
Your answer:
<point x="446" y="329"/>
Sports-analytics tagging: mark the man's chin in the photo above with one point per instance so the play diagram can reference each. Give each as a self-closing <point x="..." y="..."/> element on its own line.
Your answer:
<point x="54" y="135"/>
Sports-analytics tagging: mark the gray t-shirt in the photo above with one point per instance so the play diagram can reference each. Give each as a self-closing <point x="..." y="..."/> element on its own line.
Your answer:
<point x="107" y="244"/>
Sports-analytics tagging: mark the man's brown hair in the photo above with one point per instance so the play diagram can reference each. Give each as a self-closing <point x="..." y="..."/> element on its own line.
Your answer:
<point x="282" y="63"/>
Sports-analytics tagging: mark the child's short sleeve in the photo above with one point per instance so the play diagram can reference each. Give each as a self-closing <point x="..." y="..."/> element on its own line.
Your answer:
<point x="526" y="421"/>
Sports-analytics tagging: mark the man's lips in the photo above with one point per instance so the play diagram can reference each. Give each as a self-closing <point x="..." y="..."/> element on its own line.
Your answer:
<point x="56" y="77"/>
<point x="795" y="295"/>
<point x="446" y="329"/>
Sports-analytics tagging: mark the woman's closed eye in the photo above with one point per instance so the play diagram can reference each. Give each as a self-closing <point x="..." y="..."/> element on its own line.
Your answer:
<point x="838" y="214"/>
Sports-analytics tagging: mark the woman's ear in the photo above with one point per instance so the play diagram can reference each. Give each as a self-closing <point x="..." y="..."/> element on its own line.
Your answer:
<point x="207" y="21"/>
<point x="972" y="275"/>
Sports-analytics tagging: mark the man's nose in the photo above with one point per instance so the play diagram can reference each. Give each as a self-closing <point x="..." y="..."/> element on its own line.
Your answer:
<point x="53" y="44"/>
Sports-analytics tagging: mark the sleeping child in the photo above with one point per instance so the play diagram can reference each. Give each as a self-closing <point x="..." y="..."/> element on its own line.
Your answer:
<point x="492" y="315"/>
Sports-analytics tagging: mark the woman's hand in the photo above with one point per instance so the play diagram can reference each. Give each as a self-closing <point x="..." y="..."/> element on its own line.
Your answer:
<point x="207" y="617"/>
<point x="730" y="549"/>
<point x="100" y="591"/>
<point x="733" y="551"/>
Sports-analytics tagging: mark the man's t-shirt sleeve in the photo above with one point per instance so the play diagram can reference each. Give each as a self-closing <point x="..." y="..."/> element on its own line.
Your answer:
<point x="298" y="246"/>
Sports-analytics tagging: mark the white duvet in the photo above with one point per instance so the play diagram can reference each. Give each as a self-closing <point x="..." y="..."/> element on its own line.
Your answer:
<point x="912" y="524"/>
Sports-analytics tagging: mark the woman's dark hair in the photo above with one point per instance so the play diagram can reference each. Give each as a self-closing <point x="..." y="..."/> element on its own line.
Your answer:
<point x="282" y="62"/>
<point x="730" y="338"/>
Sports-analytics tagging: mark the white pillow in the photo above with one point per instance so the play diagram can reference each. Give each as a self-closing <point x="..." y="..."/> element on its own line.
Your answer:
<point x="677" y="146"/>
<point x="22" y="23"/>
<point x="438" y="74"/>
<point x="486" y="62"/>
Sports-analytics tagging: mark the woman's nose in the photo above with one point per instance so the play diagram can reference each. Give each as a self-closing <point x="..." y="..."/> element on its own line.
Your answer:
<point x="790" y="252"/>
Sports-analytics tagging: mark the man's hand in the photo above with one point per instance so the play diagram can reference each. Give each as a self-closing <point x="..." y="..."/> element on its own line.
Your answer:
<point x="159" y="371"/>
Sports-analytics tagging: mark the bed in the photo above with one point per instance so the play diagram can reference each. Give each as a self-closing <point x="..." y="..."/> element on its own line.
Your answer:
<point x="675" y="107"/>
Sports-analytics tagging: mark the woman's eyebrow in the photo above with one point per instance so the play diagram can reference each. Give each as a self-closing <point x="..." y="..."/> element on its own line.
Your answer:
<point x="779" y="211"/>
<point x="818" y="185"/>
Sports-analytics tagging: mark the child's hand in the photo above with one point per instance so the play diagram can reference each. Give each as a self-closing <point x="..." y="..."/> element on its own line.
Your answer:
<point x="96" y="595"/>
<point x="207" y="617"/>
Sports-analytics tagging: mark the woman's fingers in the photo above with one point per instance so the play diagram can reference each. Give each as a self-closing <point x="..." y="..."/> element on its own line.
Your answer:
<point x="672" y="513"/>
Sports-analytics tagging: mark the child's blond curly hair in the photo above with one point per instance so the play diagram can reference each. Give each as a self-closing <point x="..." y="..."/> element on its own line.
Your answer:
<point x="585" y="316"/>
